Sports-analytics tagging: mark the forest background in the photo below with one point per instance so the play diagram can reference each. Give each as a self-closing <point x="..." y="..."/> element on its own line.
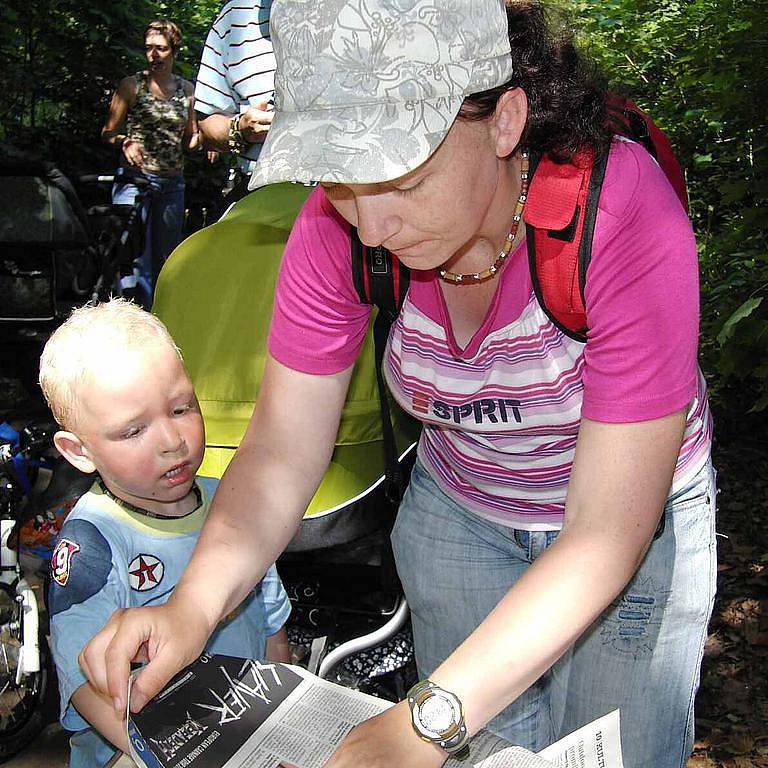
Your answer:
<point x="699" y="67"/>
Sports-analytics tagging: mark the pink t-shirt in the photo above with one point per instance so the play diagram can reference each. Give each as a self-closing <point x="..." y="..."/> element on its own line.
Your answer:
<point x="502" y="415"/>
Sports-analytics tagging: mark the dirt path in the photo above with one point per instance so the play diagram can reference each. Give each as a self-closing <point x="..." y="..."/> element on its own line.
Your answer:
<point x="732" y="707"/>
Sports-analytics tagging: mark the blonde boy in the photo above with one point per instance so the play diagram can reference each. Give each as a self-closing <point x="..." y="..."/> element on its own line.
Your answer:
<point x="116" y="384"/>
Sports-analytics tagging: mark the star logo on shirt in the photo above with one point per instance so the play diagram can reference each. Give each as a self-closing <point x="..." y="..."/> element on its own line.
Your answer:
<point x="145" y="572"/>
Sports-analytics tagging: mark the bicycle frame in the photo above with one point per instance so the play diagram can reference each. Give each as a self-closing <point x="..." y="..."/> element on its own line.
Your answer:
<point x="26" y="622"/>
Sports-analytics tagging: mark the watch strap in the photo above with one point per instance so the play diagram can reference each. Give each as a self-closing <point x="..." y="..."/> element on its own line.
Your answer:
<point x="455" y="743"/>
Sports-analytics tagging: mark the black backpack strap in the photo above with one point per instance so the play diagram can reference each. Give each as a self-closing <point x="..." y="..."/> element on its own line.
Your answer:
<point x="590" y="217"/>
<point x="379" y="278"/>
<point x="630" y="122"/>
<point x="394" y="485"/>
<point x="382" y="281"/>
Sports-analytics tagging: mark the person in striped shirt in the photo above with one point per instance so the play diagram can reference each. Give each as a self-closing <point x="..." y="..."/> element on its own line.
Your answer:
<point x="556" y="542"/>
<point x="235" y="82"/>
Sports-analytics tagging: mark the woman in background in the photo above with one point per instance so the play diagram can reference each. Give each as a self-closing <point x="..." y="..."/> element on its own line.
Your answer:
<point x="151" y="118"/>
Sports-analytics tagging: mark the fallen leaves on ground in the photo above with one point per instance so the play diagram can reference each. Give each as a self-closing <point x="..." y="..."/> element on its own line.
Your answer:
<point x="732" y="705"/>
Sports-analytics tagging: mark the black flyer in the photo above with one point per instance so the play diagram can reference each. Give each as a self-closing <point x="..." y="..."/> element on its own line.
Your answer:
<point x="208" y="712"/>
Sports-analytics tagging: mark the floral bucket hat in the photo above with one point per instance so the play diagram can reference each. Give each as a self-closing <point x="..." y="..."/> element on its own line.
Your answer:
<point x="366" y="90"/>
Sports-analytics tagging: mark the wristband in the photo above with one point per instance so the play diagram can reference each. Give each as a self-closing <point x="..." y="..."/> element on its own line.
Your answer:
<point x="237" y="144"/>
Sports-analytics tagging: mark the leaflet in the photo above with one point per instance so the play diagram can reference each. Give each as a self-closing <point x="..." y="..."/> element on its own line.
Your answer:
<point x="597" y="745"/>
<point x="226" y="712"/>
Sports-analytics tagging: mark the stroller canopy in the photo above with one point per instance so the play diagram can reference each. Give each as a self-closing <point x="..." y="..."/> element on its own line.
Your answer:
<point x="215" y="294"/>
<point x="39" y="205"/>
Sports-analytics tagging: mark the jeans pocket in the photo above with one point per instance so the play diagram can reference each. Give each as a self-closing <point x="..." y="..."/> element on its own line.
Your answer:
<point x="700" y="488"/>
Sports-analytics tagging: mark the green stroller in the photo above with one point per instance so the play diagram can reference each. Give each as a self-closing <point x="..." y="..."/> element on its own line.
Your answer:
<point x="215" y="295"/>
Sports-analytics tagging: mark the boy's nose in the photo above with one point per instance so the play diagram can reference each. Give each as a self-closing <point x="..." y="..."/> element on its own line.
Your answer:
<point x="172" y="440"/>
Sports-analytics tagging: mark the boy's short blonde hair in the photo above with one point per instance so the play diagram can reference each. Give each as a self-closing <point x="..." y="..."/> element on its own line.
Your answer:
<point x="83" y="339"/>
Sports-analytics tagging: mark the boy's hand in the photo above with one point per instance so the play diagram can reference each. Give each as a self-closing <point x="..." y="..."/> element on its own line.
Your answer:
<point x="166" y="636"/>
<point x="278" y="648"/>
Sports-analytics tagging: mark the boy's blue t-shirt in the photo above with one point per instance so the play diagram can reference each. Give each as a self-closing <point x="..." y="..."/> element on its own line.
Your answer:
<point x="110" y="557"/>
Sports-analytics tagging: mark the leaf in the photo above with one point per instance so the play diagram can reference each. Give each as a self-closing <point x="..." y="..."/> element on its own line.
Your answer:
<point x="701" y="761"/>
<point x="741" y="743"/>
<point x="761" y="404"/>
<point x="745" y="310"/>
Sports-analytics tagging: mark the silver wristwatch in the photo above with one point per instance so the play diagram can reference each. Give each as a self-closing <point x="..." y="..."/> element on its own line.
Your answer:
<point x="438" y="717"/>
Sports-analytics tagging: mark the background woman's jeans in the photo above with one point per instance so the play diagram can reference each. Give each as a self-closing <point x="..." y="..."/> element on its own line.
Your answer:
<point x="643" y="655"/>
<point x="163" y="217"/>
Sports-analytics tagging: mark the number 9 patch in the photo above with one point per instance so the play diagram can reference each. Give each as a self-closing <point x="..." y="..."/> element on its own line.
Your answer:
<point x="61" y="561"/>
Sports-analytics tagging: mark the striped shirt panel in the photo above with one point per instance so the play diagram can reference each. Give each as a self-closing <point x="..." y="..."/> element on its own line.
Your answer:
<point x="501" y="427"/>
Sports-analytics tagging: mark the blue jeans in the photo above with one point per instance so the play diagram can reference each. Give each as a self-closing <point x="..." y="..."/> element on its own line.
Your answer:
<point x="642" y="655"/>
<point x="163" y="217"/>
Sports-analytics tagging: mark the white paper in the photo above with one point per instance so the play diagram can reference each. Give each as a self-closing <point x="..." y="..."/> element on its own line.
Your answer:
<point x="308" y="726"/>
<point x="597" y="745"/>
<point x="263" y="715"/>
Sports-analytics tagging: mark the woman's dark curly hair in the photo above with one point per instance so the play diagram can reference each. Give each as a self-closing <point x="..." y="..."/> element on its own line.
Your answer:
<point x="566" y="92"/>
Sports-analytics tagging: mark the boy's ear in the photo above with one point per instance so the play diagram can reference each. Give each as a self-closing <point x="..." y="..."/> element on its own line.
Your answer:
<point x="509" y="121"/>
<point x="72" y="449"/>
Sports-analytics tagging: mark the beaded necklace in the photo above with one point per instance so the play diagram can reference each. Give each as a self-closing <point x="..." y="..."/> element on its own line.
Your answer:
<point x="133" y="508"/>
<point x="471" y="278"/>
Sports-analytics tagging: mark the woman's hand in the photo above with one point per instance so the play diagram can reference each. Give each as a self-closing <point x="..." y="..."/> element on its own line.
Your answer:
<point x="167" y="636"/>
<point x="134" y="152"/>
<point x="195" y="142"/>
<point x="254" y="123"/>
<point x="387" y="741"/>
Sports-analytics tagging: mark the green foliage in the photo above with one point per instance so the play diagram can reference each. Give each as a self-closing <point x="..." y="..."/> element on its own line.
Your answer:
<point x="699" y="68"/>
<point x="62" y="59"/>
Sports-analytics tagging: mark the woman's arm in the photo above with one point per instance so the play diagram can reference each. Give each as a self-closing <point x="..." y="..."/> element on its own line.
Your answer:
<point x="621" y="477"/>
<point x="258" y="505"/>
<point x="122" y="100"/>
<point x="620" y="480"/>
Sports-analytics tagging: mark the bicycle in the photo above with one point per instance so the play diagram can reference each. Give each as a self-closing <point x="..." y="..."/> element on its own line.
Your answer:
<point x="28" y="692"/>
<point x="121" y="237"/>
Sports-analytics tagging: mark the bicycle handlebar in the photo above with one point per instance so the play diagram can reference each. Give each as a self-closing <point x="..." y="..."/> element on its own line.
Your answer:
<point x="33" y="442"/>
<point x="109" y="178"/>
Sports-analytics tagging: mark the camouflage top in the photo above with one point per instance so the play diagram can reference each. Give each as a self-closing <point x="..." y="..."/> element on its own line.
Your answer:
<point x="159" y="125"/>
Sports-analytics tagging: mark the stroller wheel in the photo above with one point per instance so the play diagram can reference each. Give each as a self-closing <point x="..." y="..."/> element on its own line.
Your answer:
<point x="81" y="285"/>
<point x="84" y="276"/>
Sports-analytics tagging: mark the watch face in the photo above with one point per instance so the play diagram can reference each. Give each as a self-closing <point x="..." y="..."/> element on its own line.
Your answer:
<point x="436" y="714"/>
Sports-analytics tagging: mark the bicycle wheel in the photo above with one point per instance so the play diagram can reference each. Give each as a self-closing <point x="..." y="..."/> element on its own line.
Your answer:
<point x="24" y="707"/>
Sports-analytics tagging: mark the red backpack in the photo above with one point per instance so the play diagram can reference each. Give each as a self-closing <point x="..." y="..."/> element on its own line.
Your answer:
<point x="560" y="215"/>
